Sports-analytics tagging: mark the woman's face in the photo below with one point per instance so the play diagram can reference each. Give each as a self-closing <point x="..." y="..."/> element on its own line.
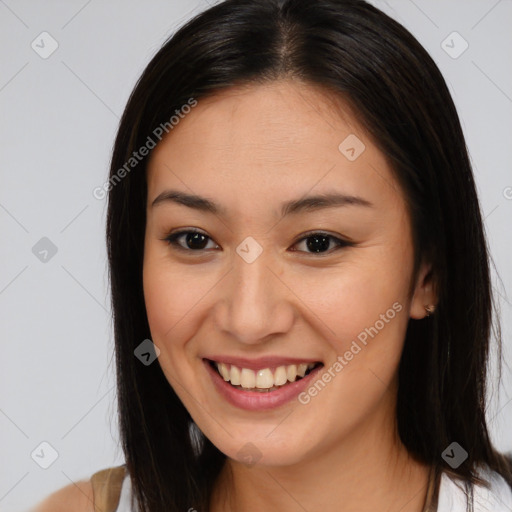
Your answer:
<point x="276" y="281"/>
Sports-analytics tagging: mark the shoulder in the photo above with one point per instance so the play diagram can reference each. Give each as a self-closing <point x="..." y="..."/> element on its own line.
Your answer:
<point x="496" y="498"/>
<point x="102" y="490"/>
<point x="77" y="496"/>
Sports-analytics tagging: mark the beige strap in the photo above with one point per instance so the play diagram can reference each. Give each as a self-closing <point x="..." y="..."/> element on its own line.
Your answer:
<point x="106" y="485"/>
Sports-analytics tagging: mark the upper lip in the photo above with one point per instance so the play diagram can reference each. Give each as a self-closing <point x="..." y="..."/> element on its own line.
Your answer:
<point x="260" y="362"/>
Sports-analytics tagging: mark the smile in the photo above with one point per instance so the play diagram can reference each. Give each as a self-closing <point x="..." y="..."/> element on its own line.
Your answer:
<point x="262" y="384"/>
<point x="264" y="379"/>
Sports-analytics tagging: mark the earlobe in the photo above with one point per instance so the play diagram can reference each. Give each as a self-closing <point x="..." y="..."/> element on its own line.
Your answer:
<point x="430" y="309"/>
<point x="424" y="300"/>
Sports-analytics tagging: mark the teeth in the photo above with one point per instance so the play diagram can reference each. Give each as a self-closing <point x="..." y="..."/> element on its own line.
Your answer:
<point x="262" y="379"/>
<point x="301" y="369"/>
<point x="247" y="378"/>
<point x="223" y="371"/>
<point x="291" y="372"/>
<point x="234" y="376"/>
<point x="280" y="377"/>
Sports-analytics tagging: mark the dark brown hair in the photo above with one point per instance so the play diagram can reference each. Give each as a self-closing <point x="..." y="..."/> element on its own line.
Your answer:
<point x="353" y="50"/>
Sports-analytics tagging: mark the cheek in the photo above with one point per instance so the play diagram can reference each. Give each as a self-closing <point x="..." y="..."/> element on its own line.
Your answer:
<point x="353" y="297"/>
<point x="362" y="314"/>
<point x="176" y="298"/>
<point x="166" y="295"/>
<point x="361" y="311"/>
<point x="172" y="309"/>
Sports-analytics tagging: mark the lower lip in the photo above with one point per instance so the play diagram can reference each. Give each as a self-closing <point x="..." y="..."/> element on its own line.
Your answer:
<point x="255" y="400"/>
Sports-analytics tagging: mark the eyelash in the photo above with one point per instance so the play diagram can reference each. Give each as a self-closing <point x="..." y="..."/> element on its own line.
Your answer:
<point x="340" y="243"/>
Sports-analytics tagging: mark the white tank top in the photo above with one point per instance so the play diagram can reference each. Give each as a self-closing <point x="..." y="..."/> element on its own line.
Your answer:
<point x="126" y="495"/>
<point x="452" y="497"/>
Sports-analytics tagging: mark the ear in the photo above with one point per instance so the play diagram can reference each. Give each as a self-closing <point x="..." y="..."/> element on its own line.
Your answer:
<point x="424" y="292"/>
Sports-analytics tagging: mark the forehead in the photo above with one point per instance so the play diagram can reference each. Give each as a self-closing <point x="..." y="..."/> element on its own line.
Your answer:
<point x="267" y="139"/>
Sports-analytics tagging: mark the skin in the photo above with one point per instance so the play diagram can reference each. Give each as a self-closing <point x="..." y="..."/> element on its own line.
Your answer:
<point x="250" y="149"/>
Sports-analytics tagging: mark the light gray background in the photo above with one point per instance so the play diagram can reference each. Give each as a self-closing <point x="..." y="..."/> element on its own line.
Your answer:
<point x="58" y="120"/>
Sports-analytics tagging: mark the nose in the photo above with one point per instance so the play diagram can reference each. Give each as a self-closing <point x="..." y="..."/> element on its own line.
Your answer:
<point x="255" y="301"/>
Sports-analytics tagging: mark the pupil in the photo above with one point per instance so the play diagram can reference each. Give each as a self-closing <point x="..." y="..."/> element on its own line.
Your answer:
<point x="322" y="243"/>
<point x="193" y="238"/>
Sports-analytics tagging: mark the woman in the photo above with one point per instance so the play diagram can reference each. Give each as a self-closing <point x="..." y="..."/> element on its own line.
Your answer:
<point x="299" y="274"/>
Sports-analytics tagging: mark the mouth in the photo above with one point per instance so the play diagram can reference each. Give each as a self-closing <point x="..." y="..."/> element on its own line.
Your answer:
<point x="263" y="380"/>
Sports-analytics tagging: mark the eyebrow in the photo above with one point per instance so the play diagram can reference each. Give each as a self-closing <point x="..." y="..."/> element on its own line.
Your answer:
<point x="309" y="203"/>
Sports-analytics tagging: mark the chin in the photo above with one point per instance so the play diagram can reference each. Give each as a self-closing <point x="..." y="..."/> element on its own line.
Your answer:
<point x="269" y="451"/>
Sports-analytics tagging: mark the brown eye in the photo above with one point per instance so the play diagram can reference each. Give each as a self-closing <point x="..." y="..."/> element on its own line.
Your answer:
<point x="320" y="242"/>
<point x="192" y="240"/>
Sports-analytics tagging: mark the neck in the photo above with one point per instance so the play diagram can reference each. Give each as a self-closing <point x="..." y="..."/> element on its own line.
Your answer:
<point x="370" y="470"/>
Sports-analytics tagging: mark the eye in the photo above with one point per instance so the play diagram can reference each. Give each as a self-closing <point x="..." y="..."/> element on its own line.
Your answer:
<point x="318" y="242"/>
<point x="196" y="241"/>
